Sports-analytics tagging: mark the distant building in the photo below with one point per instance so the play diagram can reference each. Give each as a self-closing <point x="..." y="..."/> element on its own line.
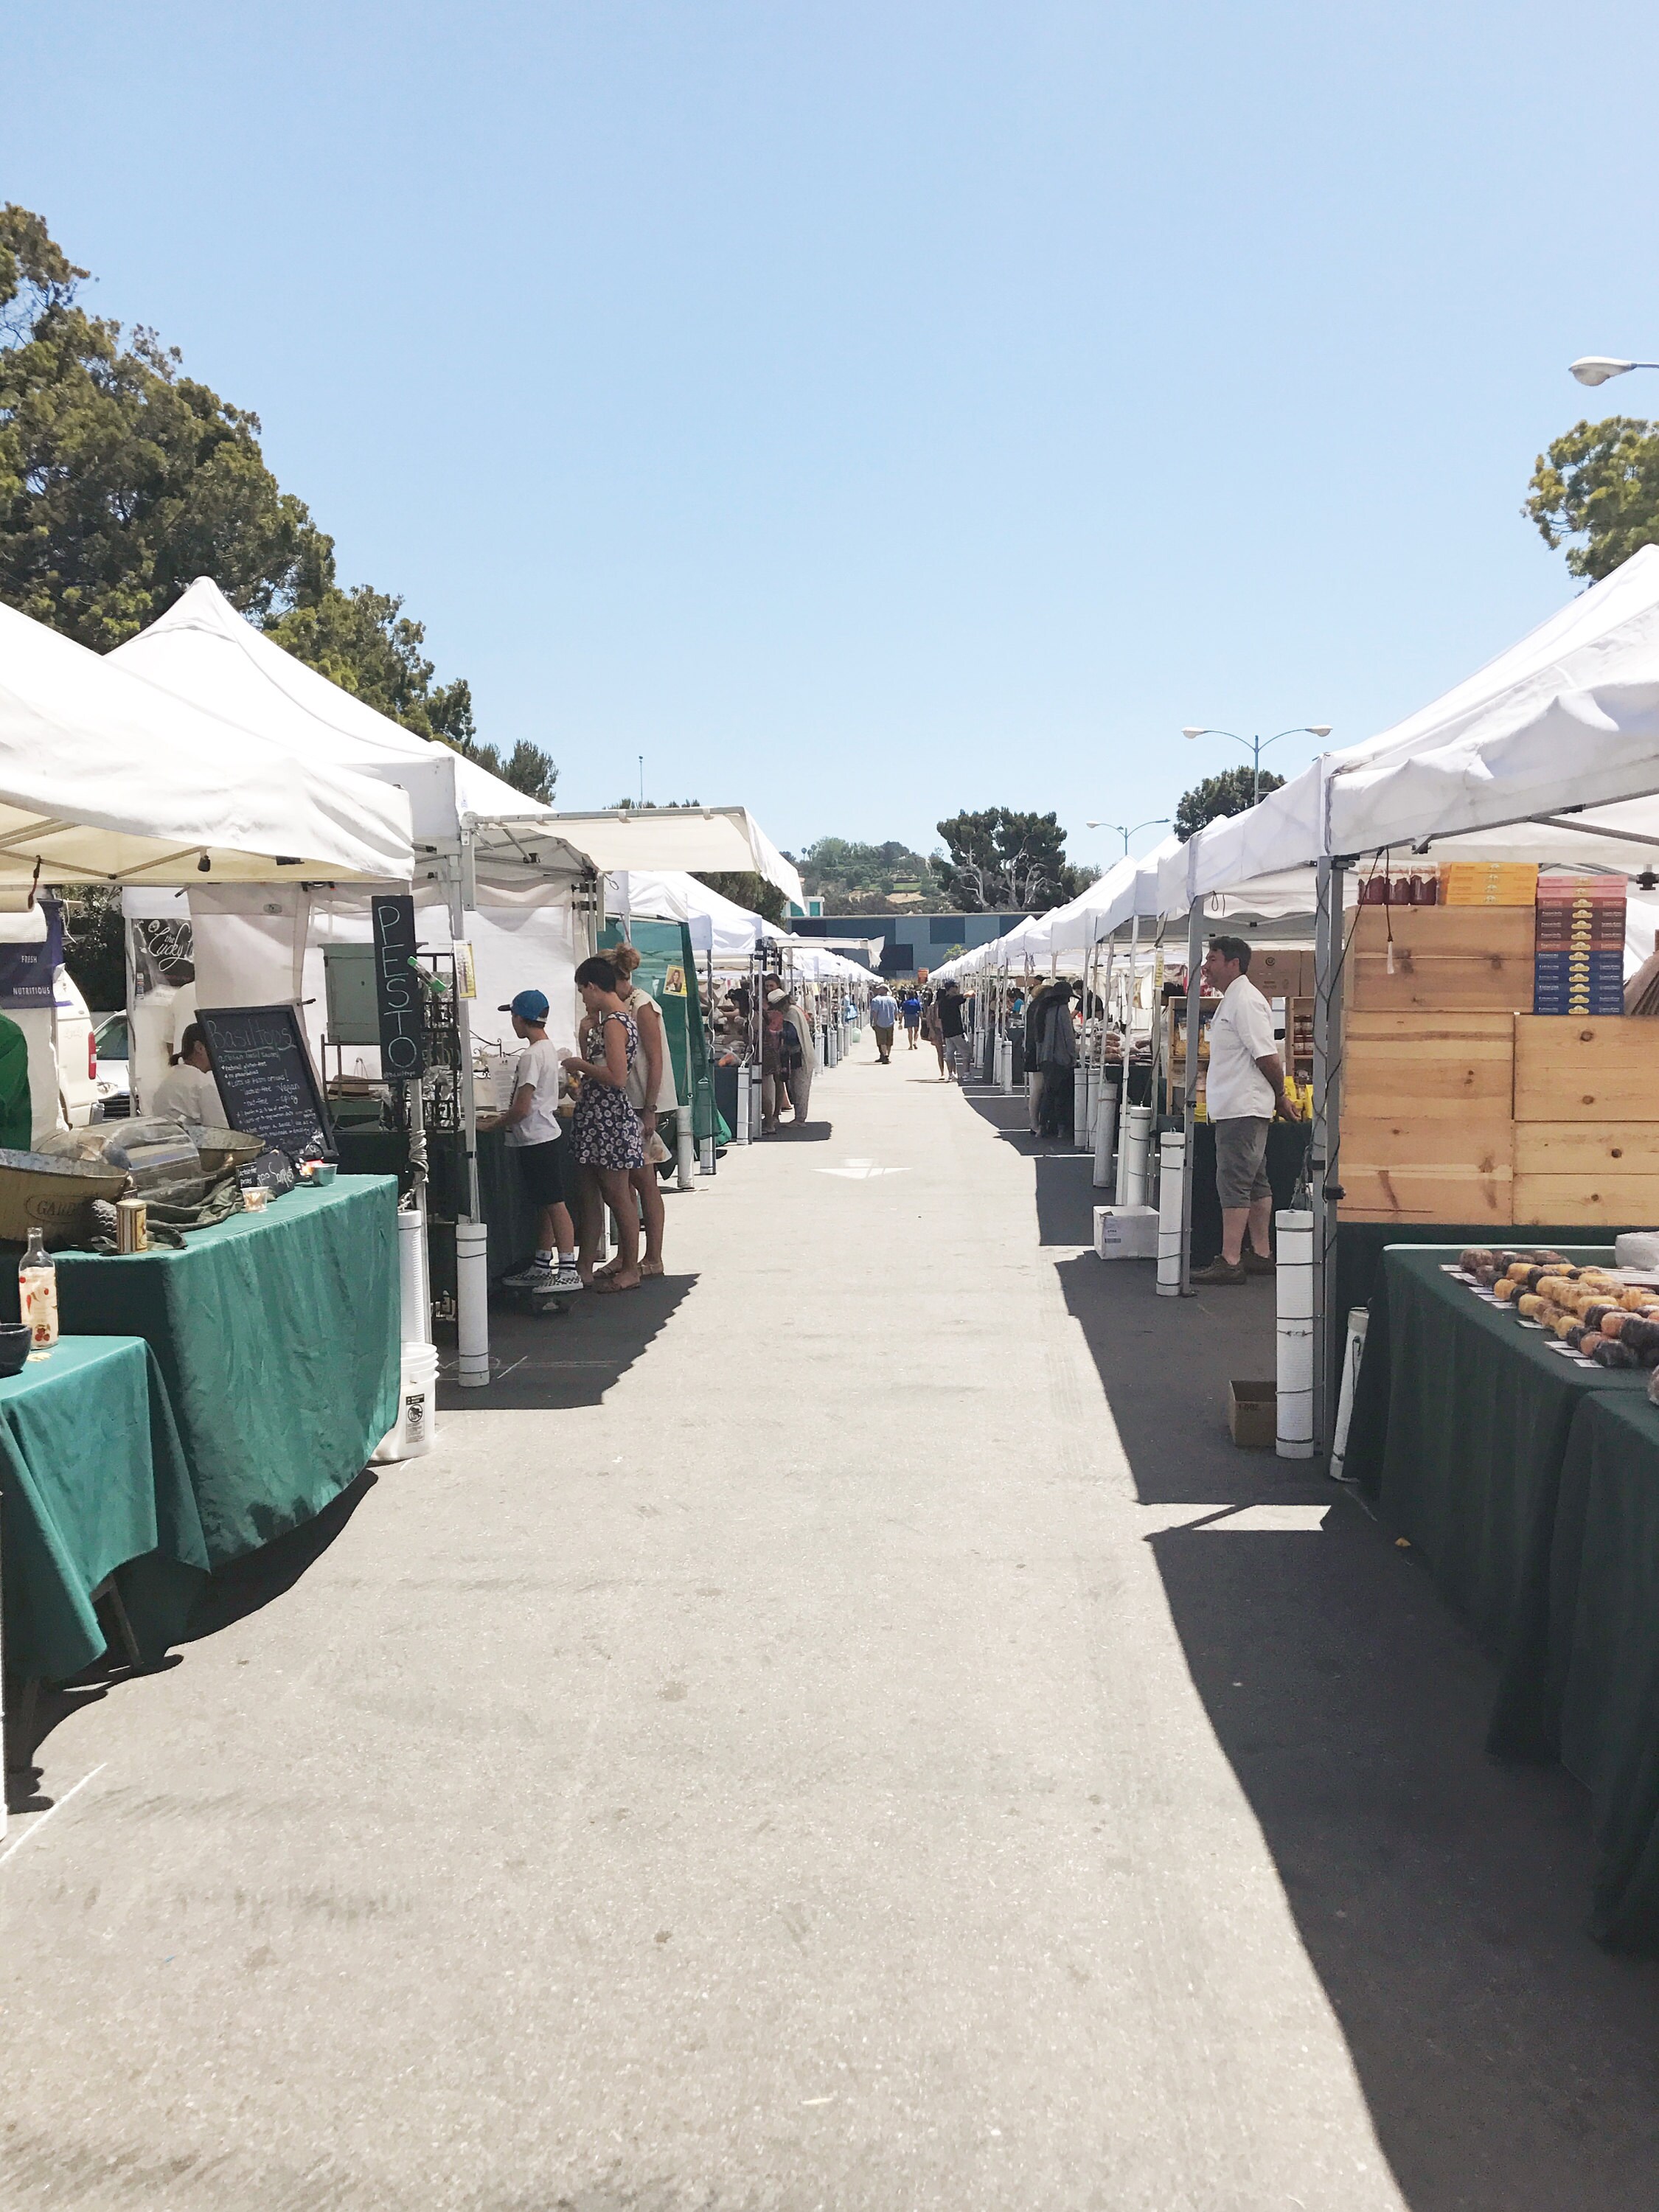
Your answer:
<point x="913" y="941"/>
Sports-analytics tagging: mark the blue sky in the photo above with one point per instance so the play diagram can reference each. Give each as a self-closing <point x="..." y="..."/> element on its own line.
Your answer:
<point x="869" y="411"/>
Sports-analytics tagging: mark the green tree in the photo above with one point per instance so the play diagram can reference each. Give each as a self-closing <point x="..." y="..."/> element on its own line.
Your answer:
<point x="748" y="888"/>
<point x="1596" y="492"/>
<point x="1230" y="792"/>
<point x="1001" y="859"/>
<point x="122" y="480"/>
<point x="95" y="946"/>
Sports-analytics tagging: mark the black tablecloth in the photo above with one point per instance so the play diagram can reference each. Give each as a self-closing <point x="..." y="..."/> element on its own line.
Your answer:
<point x="1531" y="1487"/>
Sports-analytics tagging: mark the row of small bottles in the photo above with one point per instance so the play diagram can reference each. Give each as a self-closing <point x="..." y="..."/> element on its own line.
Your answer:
<point x="37" y="1292"/>
<point x="1401" y="891"/>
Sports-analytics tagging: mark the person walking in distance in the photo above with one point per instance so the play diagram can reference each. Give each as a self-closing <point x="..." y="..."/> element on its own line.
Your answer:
<point x="953" y="1033"/>
<point x="651" y="1092"/>
<point x="911" y="1010"/>
<point x="884" y="1018"/>
<point x="930" y="1028"/>
<point x="1243" y="1091"/>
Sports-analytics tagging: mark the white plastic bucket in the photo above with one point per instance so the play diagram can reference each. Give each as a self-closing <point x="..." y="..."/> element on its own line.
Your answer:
<point x="411" y="1435"/>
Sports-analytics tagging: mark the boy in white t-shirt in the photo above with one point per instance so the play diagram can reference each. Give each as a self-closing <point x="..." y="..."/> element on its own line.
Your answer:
<point x="535" y="1133"/>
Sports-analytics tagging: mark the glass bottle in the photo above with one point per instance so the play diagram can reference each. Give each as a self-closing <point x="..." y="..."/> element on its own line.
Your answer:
<point x="37" y="1291"/>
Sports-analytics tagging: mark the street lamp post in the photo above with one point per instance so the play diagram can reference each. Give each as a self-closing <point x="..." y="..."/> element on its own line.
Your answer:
<point x="1152" y="822"/>
<point x="1256" y="746"/>
<point x="1598" y="368"/>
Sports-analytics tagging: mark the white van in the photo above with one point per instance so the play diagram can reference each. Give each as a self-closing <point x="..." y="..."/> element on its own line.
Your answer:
<point x="62" y="1058"/>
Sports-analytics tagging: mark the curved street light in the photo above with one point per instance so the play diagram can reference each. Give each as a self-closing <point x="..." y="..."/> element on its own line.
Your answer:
<point x="1600" y="368"/>
<point x="1256" y="746"/>
<point x="1152" y="822"/>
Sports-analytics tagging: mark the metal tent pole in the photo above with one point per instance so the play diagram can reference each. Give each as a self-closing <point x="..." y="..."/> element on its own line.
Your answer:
<point x="472" y="1237"/>
<point x="1189" y="1087"/>
<point x="1324" y="1151"/>
<point x="1120" y="1193"/>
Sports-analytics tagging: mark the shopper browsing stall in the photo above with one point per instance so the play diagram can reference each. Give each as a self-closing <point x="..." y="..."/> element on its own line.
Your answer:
<point x="606" y="1130"/>
<point x="536" y="1136"/>
<point x="1244" y="1090"/>
<point x="651" y="1093"/>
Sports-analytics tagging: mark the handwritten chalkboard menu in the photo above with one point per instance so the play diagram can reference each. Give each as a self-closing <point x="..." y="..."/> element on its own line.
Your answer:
<point x="266" y="1083"/>
<point x="396" y="987"/>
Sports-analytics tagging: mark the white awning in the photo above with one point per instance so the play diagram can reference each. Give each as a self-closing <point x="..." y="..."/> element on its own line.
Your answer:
<point x="102" y="778"/>
<point x="202" y="651"/>
<point x="717" y="839"/>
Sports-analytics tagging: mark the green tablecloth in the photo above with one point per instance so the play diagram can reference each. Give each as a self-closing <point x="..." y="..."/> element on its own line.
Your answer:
<point x="92" y="1477"/>
<point x="1602" y="1706"/>
<point x="277" y="1338"/>
<point x="1461" y="1423"/>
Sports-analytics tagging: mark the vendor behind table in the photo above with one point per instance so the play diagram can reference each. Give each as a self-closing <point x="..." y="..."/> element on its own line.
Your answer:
<point x="1245" y="1089"/>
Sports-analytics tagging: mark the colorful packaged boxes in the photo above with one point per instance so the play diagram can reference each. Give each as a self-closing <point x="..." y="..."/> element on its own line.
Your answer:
<point x="1578" y="984"/>
<point x="1581" y="913"/>
<point x="1482" y="882"/>
<point x="1578" y="961"/>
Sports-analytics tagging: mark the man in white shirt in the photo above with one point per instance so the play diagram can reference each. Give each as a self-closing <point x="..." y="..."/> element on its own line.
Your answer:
<point x="187" y="1091"/>
<point x="536" y="1134"/>
<point x="1244" y="1089"/>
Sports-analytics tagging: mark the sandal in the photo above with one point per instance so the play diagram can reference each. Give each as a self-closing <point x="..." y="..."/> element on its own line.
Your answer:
<point x="609" y="1286"/>
<point x="651" y="1267"/>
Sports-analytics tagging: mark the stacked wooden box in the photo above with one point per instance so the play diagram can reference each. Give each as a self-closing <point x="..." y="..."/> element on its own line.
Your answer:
<point x="1460" y="1105"/>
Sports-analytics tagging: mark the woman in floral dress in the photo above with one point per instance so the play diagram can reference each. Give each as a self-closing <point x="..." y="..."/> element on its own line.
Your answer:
<point x="608" y="1138"/>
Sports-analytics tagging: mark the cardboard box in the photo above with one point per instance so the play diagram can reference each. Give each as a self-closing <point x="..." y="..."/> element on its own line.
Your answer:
<point x="1126" y="1232"/>
<point x="1488" y="883"/>
<point x="1252" y="1415"/>
<point x="1279" y="975"/>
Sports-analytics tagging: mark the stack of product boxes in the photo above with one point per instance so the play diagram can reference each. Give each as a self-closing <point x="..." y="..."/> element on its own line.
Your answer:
<point x="1578" y="964"/>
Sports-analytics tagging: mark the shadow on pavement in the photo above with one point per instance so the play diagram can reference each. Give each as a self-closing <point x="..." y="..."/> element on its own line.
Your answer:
<point x="551" y="1361"/>
<point x="1507" y="2060"/>
<point x="243" y="1587"/>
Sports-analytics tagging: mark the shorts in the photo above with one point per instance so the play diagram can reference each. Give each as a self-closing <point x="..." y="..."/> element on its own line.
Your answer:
<point x="546" y="1178"/>
<point x="1240" y="1161"/>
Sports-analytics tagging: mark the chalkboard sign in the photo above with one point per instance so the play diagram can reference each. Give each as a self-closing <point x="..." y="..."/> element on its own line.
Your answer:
<point x="396" y="987"/>
<point x="266" y="1083"/>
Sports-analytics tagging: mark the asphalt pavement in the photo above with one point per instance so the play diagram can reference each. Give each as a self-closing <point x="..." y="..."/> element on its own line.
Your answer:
<point x="840" y="1728"/>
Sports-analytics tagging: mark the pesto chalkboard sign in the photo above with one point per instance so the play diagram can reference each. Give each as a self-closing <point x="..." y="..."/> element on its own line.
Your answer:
<point x="266" y="1082"/>
<point x="396" y="986"/>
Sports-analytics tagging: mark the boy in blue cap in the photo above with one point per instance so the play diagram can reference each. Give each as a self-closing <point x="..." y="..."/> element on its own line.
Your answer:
<point x="535" y="1133"/>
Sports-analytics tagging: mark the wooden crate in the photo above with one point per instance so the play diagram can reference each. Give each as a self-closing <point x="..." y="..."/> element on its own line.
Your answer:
<point x="1453" y="1193"/>
<point x="1481" y="1148"/>
<point x="1575" y="1067"/>
<point x="1428" y="1067"/>
<point x="1586" y="1148"/>
<point x="1595" y="1200"/>
<point x="1461" y="959"/>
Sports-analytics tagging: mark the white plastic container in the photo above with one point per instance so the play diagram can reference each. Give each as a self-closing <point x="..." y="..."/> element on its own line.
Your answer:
<point x="412" y="1434"/>
<point x="1126" y="1232"/>
<point x="1293" y="1283"/>
<point x="1171" y="1159"/>
<point x="1353" y="1352"/>
<point x="1138" y="1146"/>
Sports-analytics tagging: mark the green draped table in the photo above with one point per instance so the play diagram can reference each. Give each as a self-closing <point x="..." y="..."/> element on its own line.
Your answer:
<point x="91" y="1479"/>
<point x="277" y="1338"/>
<point x="1531" y="1487"/>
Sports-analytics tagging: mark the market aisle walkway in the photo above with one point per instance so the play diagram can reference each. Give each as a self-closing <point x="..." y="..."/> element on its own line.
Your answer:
<point x="771" y="1759"/>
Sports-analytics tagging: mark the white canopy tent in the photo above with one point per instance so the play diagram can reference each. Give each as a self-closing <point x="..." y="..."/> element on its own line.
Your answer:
<point x="1549" y="753"/>
<point x="717" y="925"/>
<point x="716" y="839"/>
<point x="104" y="780"/>
<point x="491" y="870"/>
